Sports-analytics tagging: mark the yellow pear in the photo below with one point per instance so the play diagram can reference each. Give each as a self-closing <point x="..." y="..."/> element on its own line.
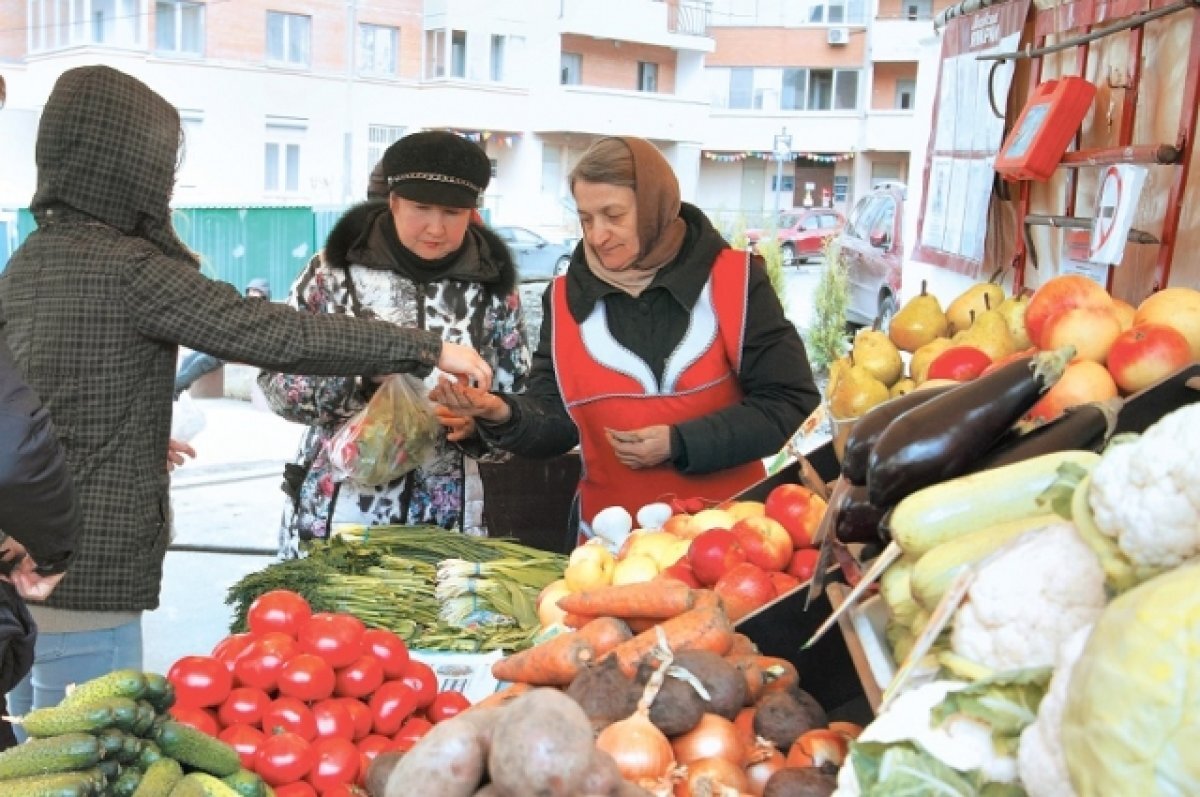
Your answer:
<point x="988" y="333"/>
<point x="905" y="385"/>
<point x="919" y="321"/>
<point x="918" y="367"/>
<point x="836" y="369"/>
<point x="875" y="351"/>
<point x="1013" y="310"/>
<point x="857" y="391"/>
<point x="978" y="298"/>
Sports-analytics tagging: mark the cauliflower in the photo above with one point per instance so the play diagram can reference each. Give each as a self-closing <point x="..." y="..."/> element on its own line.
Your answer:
<point x="1028" y="598"/>
<point x="1145" y="494"/>
<point x="1040" y="759"/>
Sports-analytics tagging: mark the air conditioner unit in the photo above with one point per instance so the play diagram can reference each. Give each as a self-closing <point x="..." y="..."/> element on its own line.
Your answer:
<point x="838" y="36"/>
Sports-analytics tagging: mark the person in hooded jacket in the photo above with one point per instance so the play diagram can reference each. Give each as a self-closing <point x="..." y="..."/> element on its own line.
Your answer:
<point x="105" y="280"/>
<point x="417" y="256"/>
<point x="197" y="363"/>
<point x="664" y="354"/>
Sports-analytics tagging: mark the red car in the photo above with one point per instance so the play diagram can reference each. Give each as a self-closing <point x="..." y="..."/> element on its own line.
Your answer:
<point x="873" y="250"/>
<point x="802" y="232"/>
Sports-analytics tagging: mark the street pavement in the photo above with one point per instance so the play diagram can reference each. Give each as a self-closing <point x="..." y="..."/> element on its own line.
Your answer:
<point x="228" y="498"/>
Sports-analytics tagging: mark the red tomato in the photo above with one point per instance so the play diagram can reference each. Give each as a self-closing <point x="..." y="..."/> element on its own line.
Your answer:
<point x="360" y="677"/>
<point x="245" y="705"/>
<point x="345" y="790"/>
<point x="278" y="610"/>
<point x="389" y="649"/>
<point x="306" y="676"/>
<point x="446" y="705"/>
<point x="290" y="714"/>
<point x="804" y="562"/>
<point x="410" y="733"/>
<point x="361" y="714"/>
<point x="232" y="646"/>
<point x="391" y="704"/>
<point x="334" y="763"/>
<point x="301" y="788"/>
<point x="960" y="363"/>
<point x="283" y="758"/>
<point x="260" y="663"/>
<point x="333" y="719"/>
<point x="201" y="719"/>
<point x="246" y="740"/>
<point x="337" y="638"/>
<point x="372" y="745"/>
<point x="200" y="681"/>
<point x="423" y="680"/>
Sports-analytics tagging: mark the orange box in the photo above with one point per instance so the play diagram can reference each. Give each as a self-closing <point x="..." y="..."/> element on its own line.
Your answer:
<point x="1045" y="128"/>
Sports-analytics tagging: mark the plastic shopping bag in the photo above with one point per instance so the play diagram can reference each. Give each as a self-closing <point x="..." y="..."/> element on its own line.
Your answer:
<point x="187" y="419"/>
<point x="387" y="438"/>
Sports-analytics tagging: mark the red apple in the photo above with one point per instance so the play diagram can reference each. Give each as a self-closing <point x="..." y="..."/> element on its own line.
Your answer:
<point x="681" y="571"/>
<point x="1082" y="381"/>
<point x="1145" y="353"/>
<point x="798" y="509"/>
<point x="1091" y="330"/>
<point x="743" y="589"/>
<point x="1177" y="307"/>
<point x="1058" y="294"/>
<point x="713" y="553"/>
<point x="683" y="526"/>
<point x="785" y="582"/>
<point x="804" y="562"/>
<point x="765" y="541"/>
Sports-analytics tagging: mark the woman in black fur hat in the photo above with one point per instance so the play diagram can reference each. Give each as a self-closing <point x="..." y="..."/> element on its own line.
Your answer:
<point x="418" y="258"/>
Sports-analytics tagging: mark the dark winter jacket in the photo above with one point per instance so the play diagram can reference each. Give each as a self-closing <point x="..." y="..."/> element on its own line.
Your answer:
<point x="775" y="375"/>
<point x="99" y="297"/>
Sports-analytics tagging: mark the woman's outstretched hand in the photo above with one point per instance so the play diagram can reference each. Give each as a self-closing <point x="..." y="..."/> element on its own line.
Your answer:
<point x="468" y="401"/>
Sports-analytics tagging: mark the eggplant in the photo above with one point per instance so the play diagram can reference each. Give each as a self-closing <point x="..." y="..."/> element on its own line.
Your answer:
<point x="1085" y="427"/>
<point x="866" y="430"/>
<point x="856" y="519"/>
<point x="940" y="438"/>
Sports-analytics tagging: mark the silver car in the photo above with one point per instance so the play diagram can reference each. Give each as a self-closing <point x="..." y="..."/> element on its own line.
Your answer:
<point x="537" y="258"/>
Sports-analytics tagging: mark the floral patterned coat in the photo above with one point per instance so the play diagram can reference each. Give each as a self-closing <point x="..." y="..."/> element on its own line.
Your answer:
<point x="473" y="300"/>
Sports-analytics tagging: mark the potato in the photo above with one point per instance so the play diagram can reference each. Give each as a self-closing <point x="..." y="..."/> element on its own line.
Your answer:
<point x="800" y="782"/>
<point x="448" y="761"/>
<point x="604" y="693"/>
<point x="542" y="746"/>
<point x="602" y="778"/>
<point x="780" y="717"/>
<point x="726" y="686"/>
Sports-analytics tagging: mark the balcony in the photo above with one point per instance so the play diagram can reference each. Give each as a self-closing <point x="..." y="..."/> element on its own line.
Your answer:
<point x="678" y="24"/>
<point x="891" y="131"/>
<point x="898" y="39"/>
<point x="603" y="111"/>
<point x="818" y="131"/>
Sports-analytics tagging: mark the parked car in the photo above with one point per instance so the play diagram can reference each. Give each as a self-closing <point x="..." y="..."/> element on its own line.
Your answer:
<point x="872" y="248"/>
<point x="802" y="232"/>
<point x="537" y="257"/>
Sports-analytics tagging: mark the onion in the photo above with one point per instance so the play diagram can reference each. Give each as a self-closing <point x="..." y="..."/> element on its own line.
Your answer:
<point x="638" y="747"/>
<point x="759" y="772"/>
<point x="705" y="776"/>
<point x="713" y="737"/>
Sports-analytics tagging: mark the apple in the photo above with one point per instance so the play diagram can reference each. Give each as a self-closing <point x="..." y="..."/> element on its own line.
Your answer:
<point x="1145" y="353"/>
<point x="713" y="553"/>
<point x="1082" y="381"/>
<point x="1058" y="294"/>
<point x="681" y="571"/>
<point x="765" y="541"/>
<point x="1125" y="313"/>
<point x="744" y="588"/>
<point x="590" y="566"/>
<point x="707" y="519"/>
<point x="744" y="509"/>
<point x="804" y="562"/>
<point x="548" y="612"/>
<point x="798" y="509"/>
<point x="1176" y="307"/>
<point x="682" y="525"/>
<point x="634" y="569"/>
<point x="1091" y="330"/>
<point x="785" y="582"/>
<point x="660" y="546"/>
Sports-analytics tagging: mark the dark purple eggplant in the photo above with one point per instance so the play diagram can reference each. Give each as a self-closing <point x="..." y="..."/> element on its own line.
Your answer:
<point x="1083" y="427"/>
<point x="857" y="519"/>
<point x="866" y="430"/>
<point x="941" y="438"/>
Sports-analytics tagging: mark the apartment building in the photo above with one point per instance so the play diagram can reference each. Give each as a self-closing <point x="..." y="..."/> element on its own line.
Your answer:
<point x="759" y="104"/>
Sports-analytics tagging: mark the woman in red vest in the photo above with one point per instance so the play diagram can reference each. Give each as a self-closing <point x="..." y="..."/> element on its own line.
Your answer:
<point x="664" y="354"/>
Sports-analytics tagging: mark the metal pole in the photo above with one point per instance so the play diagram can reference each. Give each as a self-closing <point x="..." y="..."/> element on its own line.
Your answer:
<point x="778" y="183"/>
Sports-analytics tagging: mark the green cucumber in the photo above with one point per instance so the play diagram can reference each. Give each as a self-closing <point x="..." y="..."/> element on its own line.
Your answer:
<point x="126" y="783"/>
<point x="200" y="784"/>
<point x="59" y="784"/>
<point x="246" y="783"/>
<point x="159" y="691"/>
<point x="57" y="720"/>
<point x="161" y="777"/>
<point x="197" y="749"/>
<point x="118" y="683"/>
<point x="54" y="754"/>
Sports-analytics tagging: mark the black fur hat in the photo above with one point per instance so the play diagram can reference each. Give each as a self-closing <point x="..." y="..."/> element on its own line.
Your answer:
<point x="437" y="167"/>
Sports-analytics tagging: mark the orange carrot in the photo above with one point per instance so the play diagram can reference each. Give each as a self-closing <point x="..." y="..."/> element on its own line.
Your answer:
<point x="554" y="662"/>
<point x="503" y="696"/>
<point x="639" y="624"/>
<point x="603" y="634"/>
<point x="742" y="645"/>
<point x="576" y="620"/>
<point x="697" y="629"/>
<point x="655" y="600"/>
<point x="706" y="598"/>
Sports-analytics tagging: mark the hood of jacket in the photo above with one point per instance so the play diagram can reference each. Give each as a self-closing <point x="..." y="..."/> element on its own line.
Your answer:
<point x="107" y="146"/>
<point x="358" y="239"/>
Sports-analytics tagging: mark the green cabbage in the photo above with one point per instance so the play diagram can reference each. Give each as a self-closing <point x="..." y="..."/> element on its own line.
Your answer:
<point x="1132" y="719"/>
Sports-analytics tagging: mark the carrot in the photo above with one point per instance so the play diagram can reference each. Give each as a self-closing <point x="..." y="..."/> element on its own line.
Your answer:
<point x="697" y="629"/>
<point x="655" y="600"/>
<point x="603" y="634"/>
<point x="503" y="697"/>
<point x="742" y="644"/>
<point x="576" y="620"/>
<point x="639" y="624"/>
<point x="749" y="666"/>
<point x="560" y="658"/>
<point x="778" y="674"/>
<point x="706" y="598"/>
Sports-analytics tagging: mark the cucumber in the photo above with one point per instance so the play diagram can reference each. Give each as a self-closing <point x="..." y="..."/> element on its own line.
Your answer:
<point x="111" y="740"/>
<point x="54" y="754"/>
<point x="197" y="749"/>
<point x="933" y="573"/>
<point x="150" y="753"/>
<point x="125" y="712"/>
<point x="158" y="691"/>
<point x="131" y="750"/>
<point x="146" y="714"/>
<point x="57" y="720"/>
<point x="126" y="783"/>
<point x="954" y="508"/>
<point x="60" y="784"/>
<point x="118" y="683"/>
<point x="940" y="439"/>
<point x="200" y="784"/>
<point x="160" y="778"/>
<point x="246" y="783"/>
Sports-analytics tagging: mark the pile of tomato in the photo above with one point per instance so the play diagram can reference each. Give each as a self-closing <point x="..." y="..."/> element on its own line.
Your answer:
<point x="309" y="699"/>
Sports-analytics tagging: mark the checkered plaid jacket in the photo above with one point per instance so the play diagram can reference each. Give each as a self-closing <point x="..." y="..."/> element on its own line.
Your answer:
<point x="99" y="297"/>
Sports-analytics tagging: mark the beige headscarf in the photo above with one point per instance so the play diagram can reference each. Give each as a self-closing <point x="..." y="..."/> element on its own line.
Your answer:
<point x="660" y="228"/>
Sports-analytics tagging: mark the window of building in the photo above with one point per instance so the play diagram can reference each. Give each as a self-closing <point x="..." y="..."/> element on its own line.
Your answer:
<point x="905" y="94"/>
<point x="379" y="138"/>
<point x="178" y="28"/>
<point x="281" y="150"/>
<point x="55" y="24"/>
<point x="883" y="173"/>
<point x="496" y="69"/>
<point x="837" y="12"/>
<point x="570" y="69"/>
<point x="458" y="53"/>
<point x="741" y="87"/>
<point x="789" y="183"/>
<point x="288" y="39"/>
<point x="845" y="93"/>
<point x="647" y="76"/>
<point x="794" y="89"/>
<point x="918" y="9"/>
<point x="552" y="171"/>
<point x="378" y="49"/>
<point x="841" y="188"/>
